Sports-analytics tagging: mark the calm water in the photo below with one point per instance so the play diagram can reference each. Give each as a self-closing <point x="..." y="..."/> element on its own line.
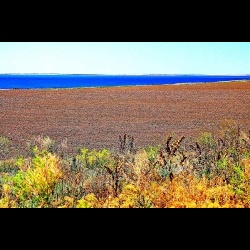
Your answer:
<point x="34" y="81"/>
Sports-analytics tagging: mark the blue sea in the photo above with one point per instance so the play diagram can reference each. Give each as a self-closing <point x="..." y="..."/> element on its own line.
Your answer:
<point x="42" y="81"/>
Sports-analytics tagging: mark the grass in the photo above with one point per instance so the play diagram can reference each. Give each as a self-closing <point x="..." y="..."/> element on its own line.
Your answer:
<point x="209" y="172"/>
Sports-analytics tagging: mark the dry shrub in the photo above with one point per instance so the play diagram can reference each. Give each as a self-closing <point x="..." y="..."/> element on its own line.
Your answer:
<point x="34" y="186"/>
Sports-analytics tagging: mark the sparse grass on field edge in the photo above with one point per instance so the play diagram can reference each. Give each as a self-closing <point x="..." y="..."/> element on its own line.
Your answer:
<point x="207" y="172"/>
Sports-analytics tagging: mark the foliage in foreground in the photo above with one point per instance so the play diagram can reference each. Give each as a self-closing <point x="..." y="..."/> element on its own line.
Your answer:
<point x="208" y="173"/>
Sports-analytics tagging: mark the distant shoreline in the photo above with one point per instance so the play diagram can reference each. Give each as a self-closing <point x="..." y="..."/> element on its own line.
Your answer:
<point x="65" y="81"/>
<point x="124" y="74"/>
<point x="126" y="86"/>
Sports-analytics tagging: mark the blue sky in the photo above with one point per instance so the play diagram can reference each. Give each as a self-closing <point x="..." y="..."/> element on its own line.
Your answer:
<point x="211" y="58"/>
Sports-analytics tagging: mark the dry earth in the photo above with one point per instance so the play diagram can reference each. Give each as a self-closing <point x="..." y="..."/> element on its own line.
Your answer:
<point x="95" y="117"/>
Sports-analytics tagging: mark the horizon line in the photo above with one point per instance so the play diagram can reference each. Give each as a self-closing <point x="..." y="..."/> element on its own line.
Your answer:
<point x="123" y="74"/>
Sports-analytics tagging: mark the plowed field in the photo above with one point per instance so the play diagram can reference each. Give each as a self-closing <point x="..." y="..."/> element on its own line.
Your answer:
<point x="95" y="117"/>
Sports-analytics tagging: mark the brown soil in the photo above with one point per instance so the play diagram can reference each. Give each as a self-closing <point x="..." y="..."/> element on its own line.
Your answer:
<point x="95" y="117"/>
